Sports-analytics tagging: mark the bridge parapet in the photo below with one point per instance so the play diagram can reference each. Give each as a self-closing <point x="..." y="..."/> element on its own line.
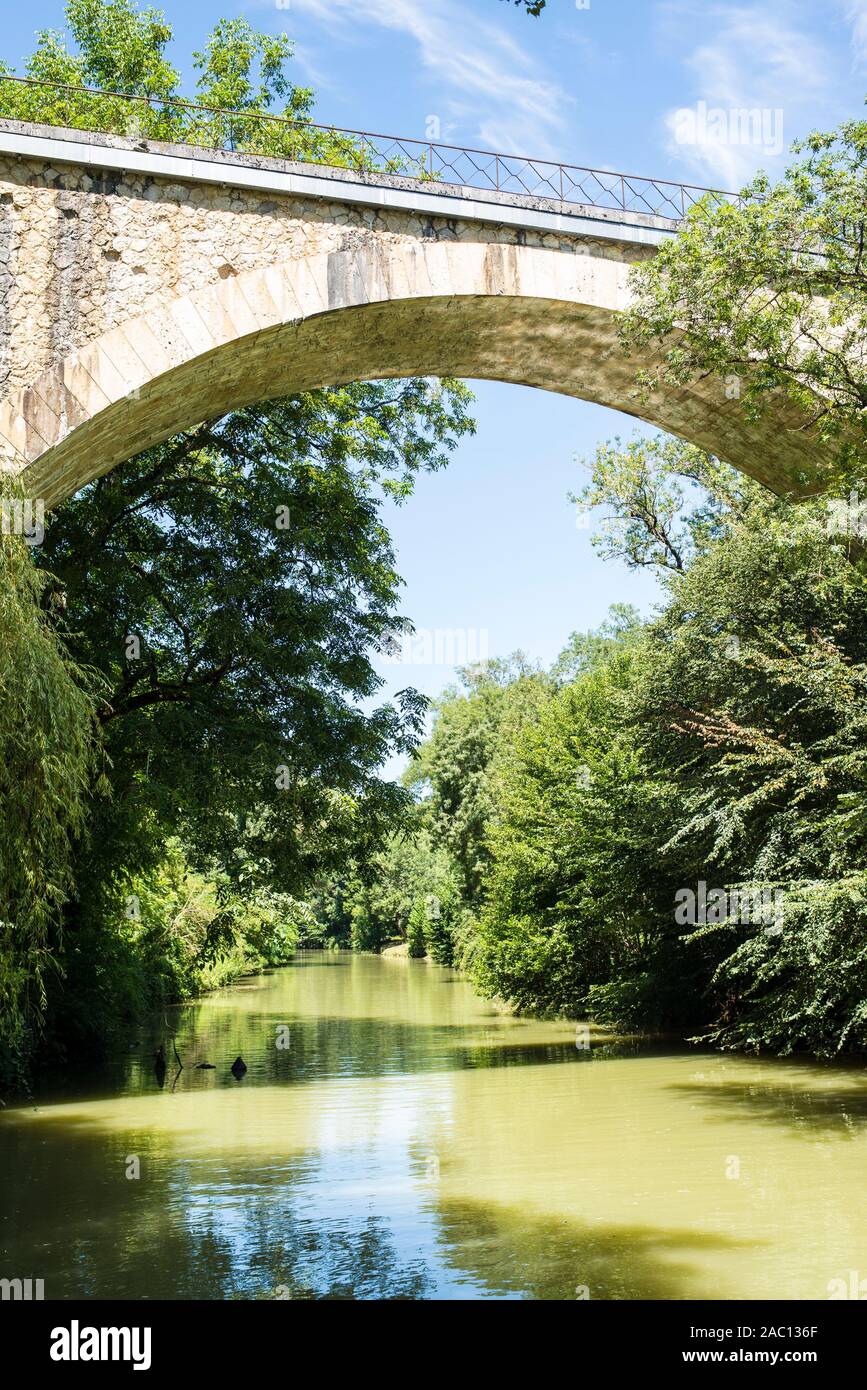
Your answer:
<point x="304" y="142"/>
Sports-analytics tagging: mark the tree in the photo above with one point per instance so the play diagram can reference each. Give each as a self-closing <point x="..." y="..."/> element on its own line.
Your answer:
<point x="48" y="759"/>
<point x="415" y="935"/>
<point x="119" y="47"/>
<point x="751" y="703"/>
<point x="770" y="292"/>
<point x="585" y="651"/>
<point x="575" y="893"/>
<point x="453" y="770"/>
<point x="664" y="501"/>
<point x="120" y="50"/>
<point x="748" y="700"/>
<point x="231" y="586"/>
<point x="532" y="7"/>
<point x="371" y="902"/>
<point x="722" y="742"/>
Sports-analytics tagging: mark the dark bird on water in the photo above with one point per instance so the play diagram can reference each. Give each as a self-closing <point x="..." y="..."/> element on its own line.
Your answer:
<point x="205" y="1066"/>
<point x="239" y="1066"/>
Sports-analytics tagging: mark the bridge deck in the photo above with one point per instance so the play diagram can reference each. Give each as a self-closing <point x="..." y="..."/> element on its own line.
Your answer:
<point x="438" y="198"/>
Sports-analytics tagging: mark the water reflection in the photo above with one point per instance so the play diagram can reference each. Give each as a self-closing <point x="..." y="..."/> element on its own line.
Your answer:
<point x="395" y="1137"/>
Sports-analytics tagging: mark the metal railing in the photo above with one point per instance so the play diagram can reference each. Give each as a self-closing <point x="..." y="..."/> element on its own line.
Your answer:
<point x="262" y="133"/>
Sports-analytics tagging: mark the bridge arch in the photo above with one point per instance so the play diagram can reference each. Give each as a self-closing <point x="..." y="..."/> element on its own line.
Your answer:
<point x="523" y="314"/>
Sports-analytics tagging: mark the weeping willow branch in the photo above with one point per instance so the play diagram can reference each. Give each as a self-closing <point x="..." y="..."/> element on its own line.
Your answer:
<point x="47" y="760"/>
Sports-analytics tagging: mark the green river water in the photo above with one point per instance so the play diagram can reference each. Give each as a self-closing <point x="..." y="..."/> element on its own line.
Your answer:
<point x="396" y="1136"/>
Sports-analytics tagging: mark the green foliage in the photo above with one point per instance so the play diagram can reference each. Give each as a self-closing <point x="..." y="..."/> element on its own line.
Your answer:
<point x="455" y="768"/>
<point x="753" y="701"/>
<point x="804" y="989"/>
<point x="772" y="291"/>
<point x="441" y="919"/>
<point x="371" y="905"/>
<point x="158" y="936"/>
<point x="366" y="932"/>
<point x="331" y="907"/>
<point x="723" y="741"/>
<point x="48" y="760"/>
<point x="729" y="746"/>
<point x="120" y="49"/>
<point x="586" y="651"/>
<point x="233" y="56"/>
<point x="231" y="586"/>
<point x="665" y="501"/>
<point x="573" y="895"/>
<point x="415" y="935"/>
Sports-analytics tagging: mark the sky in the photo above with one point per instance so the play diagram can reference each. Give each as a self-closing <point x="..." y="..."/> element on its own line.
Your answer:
<point x="490" y="548"/>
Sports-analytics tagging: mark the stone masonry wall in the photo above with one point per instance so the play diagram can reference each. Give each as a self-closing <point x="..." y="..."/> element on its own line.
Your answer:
<point x="83" y="251"/>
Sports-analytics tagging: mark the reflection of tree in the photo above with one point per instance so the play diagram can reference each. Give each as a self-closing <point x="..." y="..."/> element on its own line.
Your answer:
<point x="333" y="1045"/>
<point x="837" y="1109"/>
<point x="513" y="1252"/>
<point x="91" y="1233"/>
<point x="361" y="1265"/>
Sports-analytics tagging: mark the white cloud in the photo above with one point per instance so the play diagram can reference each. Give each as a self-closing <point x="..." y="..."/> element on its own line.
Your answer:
<point x="755" y="72"/>
<point x="856" y="14"/>
<point x="482" y="69"/>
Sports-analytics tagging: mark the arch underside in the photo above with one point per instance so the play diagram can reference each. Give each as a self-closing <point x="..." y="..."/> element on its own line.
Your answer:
<point x="66" y="435"/>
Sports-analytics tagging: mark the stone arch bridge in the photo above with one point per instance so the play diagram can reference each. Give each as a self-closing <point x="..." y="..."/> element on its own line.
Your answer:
<point x="146" y="287"/>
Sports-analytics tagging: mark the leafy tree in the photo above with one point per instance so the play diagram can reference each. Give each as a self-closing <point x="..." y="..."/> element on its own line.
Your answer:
<point x="233" y="56"/>
<point x="722" y="741"/>
<point x="753" y="700"/>
<point x="748" y="700"/>
<point x="443" y="920"/>
<point x="173" y="934"/>
<point x="455" y="767"/>
<point x="664" y="501"/>
<point x="586" y="651"/>
<point x="576" y="891"/>
<point x="120" y="49"/>
<point x="771" y="291"/>
<point x="366" y="932"/>
<point x="378" y="894"/>
<point x="803" y="989"/>
<point x="48" y="758"/>
<point x="415" y="936"/>
<point x="231" y="586"/>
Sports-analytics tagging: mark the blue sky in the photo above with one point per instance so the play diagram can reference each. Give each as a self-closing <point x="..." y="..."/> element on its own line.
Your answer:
<point x="596" y="83"/>
<point x="634" y="85"/>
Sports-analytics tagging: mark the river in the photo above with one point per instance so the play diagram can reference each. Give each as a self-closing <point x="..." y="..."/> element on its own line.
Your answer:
<point x="396" y="1136"/>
